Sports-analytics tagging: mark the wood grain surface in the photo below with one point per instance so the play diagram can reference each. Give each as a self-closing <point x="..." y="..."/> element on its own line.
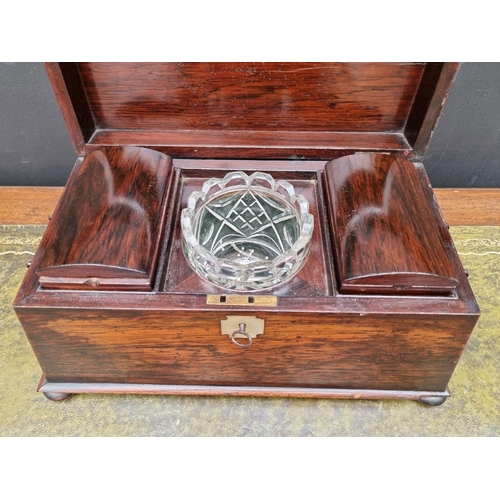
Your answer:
<point x="429" y="101"/>
<point x="377" y="343"/>
<point x="108" y="222"/>
<point x="384" y="231"/>
<point x="470" y="207"/>
<point x="401" y="344"/>
<point x="254" y="144"/>
<point x="386" y="352"/>
<point x="253" y="110"/>
<point x="58" y="391"/>
<point x="70" y="95"/>
<point x="460" y="207"/>
<point x="367" y="97"/>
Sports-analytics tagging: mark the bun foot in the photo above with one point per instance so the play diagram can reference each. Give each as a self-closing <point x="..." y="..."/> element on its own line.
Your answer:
<point x="432" y="400"/>
<point x="57" y="396"/>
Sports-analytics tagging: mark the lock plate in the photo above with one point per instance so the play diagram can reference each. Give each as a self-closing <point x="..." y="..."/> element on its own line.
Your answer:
<point x="253" y="326"/>
<point x="242" y="300"/>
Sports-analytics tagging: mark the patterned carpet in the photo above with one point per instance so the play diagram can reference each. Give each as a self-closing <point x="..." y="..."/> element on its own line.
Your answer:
<point x="472" y="410"/>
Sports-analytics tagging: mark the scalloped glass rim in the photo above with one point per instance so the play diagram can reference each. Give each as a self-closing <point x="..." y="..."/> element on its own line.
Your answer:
<point x="248" y="271"/>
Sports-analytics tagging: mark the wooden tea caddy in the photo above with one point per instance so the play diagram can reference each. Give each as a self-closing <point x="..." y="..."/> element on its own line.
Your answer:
<point x="382" y="308"/>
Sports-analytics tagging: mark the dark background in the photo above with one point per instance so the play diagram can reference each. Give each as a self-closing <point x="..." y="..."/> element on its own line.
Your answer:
<point x="35" y="149"/>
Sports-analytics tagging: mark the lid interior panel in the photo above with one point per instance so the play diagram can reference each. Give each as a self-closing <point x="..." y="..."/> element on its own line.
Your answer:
<point x="253" y="110"/>
<point x="341" y="97"/>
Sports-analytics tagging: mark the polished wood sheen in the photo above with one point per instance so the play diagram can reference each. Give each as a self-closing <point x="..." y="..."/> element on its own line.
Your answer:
<point x="70" y="95"/>
<point x="342" y="351"/>
<point x="429" y="101"/>
<point x="258" y="96"/>
<point x="386" y="237"/>
<point x="460" y="207"/>
<point x="212" y="118"/>
<point x="56" y="391"/>
<point x="372" y="346"/>
<point x="253" y="110"/>
<point x="106" y="231"/>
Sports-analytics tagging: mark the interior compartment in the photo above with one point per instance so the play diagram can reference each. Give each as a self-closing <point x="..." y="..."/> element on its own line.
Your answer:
<point x="106" y="231"/>
<point x="287" y="119"/>
<point x="385" y="234"/>
<point x="313" y="279"/>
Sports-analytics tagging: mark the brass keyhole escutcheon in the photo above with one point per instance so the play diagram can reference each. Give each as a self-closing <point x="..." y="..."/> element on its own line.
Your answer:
<point x="242" y="331"/>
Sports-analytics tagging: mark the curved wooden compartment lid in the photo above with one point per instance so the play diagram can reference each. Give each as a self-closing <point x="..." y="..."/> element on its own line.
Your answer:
<point x="106" y="232"/>
<point x="385" y="233"/>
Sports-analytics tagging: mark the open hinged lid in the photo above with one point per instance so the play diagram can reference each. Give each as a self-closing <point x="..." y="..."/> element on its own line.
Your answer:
<point x="253" y="110"/>
<point x="129" y="119"/>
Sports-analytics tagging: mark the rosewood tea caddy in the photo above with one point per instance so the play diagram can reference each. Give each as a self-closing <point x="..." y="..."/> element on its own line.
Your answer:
<point x="378" y="306"/>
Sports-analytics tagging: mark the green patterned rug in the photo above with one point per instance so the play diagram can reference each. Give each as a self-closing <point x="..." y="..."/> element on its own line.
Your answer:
<point x="472" y="410"/>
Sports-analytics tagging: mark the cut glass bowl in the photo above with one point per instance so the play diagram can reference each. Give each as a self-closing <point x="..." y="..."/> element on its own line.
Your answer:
<point x="246" y="232"/>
